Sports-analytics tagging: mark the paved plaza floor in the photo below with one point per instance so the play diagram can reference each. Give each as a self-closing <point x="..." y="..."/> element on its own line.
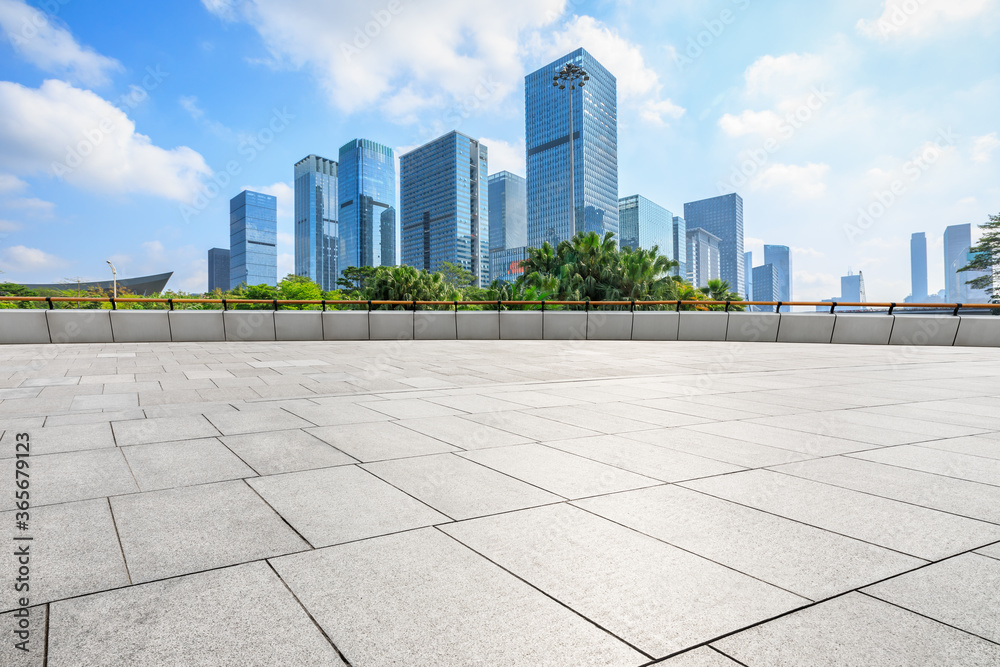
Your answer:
<point x="501" y="503"/>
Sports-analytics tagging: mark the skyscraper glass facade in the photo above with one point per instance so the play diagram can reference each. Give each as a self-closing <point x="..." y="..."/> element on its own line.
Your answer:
<point x="765" y="279"/>
<point x="918" y="265"/>
<point x="367" y="211"/>
<point x="723" y="217"/>
<point x="680" y="246"/>
<point x="780" y="256"/>
<point x="644" y="224"/>
<point x="957" y="253"/>
<point x="218" y="269"/>
<point x="703" y="257"/>
<point x="253" y="239"/>
<point x="508" y="204"/>
<point x="316" y="230"/>
<point x="444" y="205"/>
<point x="505" y="265"/>
<point x="748" y="276"/>
<point x="595" y="148"/>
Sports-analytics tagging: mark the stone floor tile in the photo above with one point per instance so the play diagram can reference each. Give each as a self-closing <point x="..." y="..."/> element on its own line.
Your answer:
<point x="235" y="616"/>
<point x="255" y="420"/>
<point x="105" y="402"/>
<point x="162" y="429"/>
<point x="727" y="450"/>
<point x="180" y="531"/>
<point x="529" y="426"/>
<point x="700" y="657"/>
<point x="974" y="445"/>
<point x="462" y="433"/>
<point x="59" y="439"/>
<point x="476" y="403"/>
<point x="441" y="604"/>
<point x="410" y="408"/>
<point x="336" y="505"/>
<point x="342" y="413"/>
<point x="167" y="465"/>
<point x="63" y="478"/>
<point x="34" y="653"/>
<point x="950" y="464"/>
<point x="379" y="441"/>
<point x="812" y="444"/>
<point x="591" y="417"/>
<point x="457" y="487"/>
<point x="993" y="551"/>
<point x="857" y="630"/>
<point x="276" y="452"/>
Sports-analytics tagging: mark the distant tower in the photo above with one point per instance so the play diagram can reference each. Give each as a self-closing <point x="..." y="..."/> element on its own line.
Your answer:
<point x="781" y="257"/>
<point x="703" y="257"/>
<point x="366" y="218"/>
<point x="218" y="270"/>
<point x="644" y="224"/>
<point x="253" y="239"/>
<point x="508" y="218"/>
<point x="723" y="217"/>
<point x="316" y="231"/>
<point x="918" y="266"/>
<point x="680" y="246"/>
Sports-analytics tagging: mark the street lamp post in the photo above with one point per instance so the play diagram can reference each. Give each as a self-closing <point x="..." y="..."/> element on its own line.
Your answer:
<point x="574" y="77"/>
<point x="114" y="276"/>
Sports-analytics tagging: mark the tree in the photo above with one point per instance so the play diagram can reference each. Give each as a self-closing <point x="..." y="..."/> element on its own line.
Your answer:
<point x="299" y="288"/>
<point x="985" y="258"/>
<point x="355" y="278"/>
<point x="456" y="276"/>
<point x="405" y="283"/>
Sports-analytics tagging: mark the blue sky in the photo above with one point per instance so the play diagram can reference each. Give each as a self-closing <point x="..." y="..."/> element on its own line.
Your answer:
<point x="126" y="127"/>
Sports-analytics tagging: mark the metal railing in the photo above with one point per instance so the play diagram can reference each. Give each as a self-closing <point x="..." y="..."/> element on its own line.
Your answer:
<point x="276" y="304"/>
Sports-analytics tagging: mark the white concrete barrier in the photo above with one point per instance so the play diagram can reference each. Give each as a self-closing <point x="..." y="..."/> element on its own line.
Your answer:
<point x="140" y="326"/>
<point x="753" y="327"/>
<point x="924" y="330"/>
<point x="435" y="325"/>
<point x="564" y="325"/>
<point x="390" y="324"/>
<point x="609" y="325"/>
<point x="655" y="325"/>
<point x="22" y="326"/>
<point x="520" y="325"/>
<point x="196" y="326"/>
<point x="79" y="326"/>
<point x="298" y="325"/>
<point x="478" y="325"/>
<point x="249" y="325"/>
<point x="345" y="325"/>
<point x="806" y="328"/>
<point x="871" y="329"/>
<point x="978" y="331"/>
<point x="701" y="325"/>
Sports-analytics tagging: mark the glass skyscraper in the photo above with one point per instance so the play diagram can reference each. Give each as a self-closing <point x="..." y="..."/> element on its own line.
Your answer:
<point x="218" y="269"/>
<point x="766" y="284"/>
<point x="253" y="239"/>
<point x="367" y="212"/>
<point x="680" y="246"/>
<point x="918" y="266"/>
<point x="780" y="256"/>
<point x="748" y="276"/>
<point x="595" y="147"/>
<point x="644" y="224"/>
<point x="505" y="265"/>
<point x="508" y="206"/>
<point x="703" y="257"/>
<point x="957" y="253"/>
<point x="723" y="217"/>
<point x="444" y="202"/>
<point x="316" y="232"/>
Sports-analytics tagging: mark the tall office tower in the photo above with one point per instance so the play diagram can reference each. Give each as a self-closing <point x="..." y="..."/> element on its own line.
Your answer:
<point x="703" y="257"/>
<point x="644" y="224"/>
<point x="595" y="152"/>
<point x="680" y="246"/>
<point x="957" y="253"/>
<point x="780" y="256"/>
<point x="367" y="212"/>
<point x="508" y="208"/>
<point x="748" y="275"/>
<point x="852" y="288"/>
<point x="218" y="269"/>
<point x="766" y="281"/>
<point x="722" y="216"/>
<point x="253" y="239"/>
<point x="918" y="266"/>
<point x="316" y="232"/>
<point x="444" y="199"/>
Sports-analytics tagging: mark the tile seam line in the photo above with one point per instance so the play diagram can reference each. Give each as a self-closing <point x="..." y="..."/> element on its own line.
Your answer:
<point x="311" y="546"/>
<point x="930" y="618"/>
<point x="121" y="549"/>
<point x="903" y="467"/>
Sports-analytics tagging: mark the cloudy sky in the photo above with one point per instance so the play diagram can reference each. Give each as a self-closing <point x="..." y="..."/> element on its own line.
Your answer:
<point x="845" y="125"/>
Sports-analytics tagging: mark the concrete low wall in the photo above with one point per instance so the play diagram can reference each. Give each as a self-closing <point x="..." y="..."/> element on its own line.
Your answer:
<point x="22" y="326"/>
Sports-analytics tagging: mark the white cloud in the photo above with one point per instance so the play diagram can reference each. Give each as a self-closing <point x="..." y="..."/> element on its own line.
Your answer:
<point x="505" y="156"/>
<point x="32" y="206"/>
<point x="9" y="226"/>
<point x="23" y="258"/>
<point x="776" y="76"/>
<point x="190" y="104"/>
<point x="655" y="112"/>
<point x="920" y="18"/>
<point x="10" y="183"/>
<point x="286" y="264"/>
<point x="810" y="252"/>
<point x="77" y="135"/>
<point x="806" y="182"/>
<point x="154" y="250"/>
<point x="984" y="146"/>
<point x="765" y="123"/>
<point x="50" y="47"/>
<point x="363" y="53"/>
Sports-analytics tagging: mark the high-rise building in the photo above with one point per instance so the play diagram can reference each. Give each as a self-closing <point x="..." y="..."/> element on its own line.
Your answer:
<point x="508" y="209"/>
<point x="316" y="232"/>
<point x="918" y="266"/>
<point x="644" y="224"/>
<point x="444" y="199"/>
<point x="766" y="284"/>
<point x="852" y="288"/>
<point x="680" y="246"/>
<point x="748" y="275"/>
<point x="723" y="217"/>
<point x="218" y="269"/>
<point x="703" y="256"/>
<point x="595" y="152"/>
<point x="253" y="239"/>
<point x="958" y="253"/>
<point x="780" y="256"/>
<point x="366" y="219"/>
<point x="505" y="265"/>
